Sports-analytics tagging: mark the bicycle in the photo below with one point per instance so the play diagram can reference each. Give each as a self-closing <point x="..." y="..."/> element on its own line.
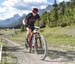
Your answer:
<point x="39" y="43"/>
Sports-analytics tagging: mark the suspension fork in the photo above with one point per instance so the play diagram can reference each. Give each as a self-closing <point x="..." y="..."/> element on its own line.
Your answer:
<point x="38" y="37"/>
<point x="40" y="40"/>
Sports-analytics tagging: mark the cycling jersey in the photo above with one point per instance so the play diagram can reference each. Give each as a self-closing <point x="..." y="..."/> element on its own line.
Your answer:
<point x="31" y="19"/>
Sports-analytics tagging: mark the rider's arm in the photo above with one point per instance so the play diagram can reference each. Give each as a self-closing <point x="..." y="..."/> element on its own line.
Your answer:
<point x="25" y="21"/>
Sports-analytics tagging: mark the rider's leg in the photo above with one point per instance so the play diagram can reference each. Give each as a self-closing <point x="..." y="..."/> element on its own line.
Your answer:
<point x="27" y="38"/>
<point x="30" y="38"/>
<point x="28" y="33"/>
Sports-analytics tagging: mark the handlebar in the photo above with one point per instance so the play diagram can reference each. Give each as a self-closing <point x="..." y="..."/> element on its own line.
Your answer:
<point x="36" y="27"/>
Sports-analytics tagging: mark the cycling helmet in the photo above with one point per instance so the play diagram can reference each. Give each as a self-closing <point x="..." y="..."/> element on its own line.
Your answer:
<point x="34" y="10"/>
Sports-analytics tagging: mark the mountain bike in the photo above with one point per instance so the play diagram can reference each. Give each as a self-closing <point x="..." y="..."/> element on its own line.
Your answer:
<point x="39" y="43"/>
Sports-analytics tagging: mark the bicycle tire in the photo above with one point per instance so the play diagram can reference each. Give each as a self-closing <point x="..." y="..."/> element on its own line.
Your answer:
<point x="44" y="44"/>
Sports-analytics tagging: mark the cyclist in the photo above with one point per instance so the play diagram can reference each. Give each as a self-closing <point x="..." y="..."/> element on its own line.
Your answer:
<point x="29" y="22"/>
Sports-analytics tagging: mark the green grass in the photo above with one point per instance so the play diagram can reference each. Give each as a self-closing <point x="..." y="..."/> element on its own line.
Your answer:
<point x="1" y="43"/>
<point x="10" y="59"/>
<point x="19" y="37"/>
<point x="59" y="36"/>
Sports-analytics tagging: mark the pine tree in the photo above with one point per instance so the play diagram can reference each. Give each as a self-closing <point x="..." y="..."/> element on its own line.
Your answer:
<point x="55" y="12"/>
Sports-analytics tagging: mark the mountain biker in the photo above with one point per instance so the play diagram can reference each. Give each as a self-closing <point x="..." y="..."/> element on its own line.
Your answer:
<point x="29" y="22"/>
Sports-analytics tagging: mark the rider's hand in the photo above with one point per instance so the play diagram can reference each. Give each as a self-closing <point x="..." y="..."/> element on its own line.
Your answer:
<point x="24" y="23"/>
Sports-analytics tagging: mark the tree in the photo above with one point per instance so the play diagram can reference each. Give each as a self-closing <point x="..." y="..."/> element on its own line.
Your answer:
<point x="55" y="12"/>
<point x="60" y="15"/>
<point x="44" y="17"/>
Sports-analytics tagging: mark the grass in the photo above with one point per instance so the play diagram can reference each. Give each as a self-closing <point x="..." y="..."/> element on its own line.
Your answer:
<point x="56" y="37"/>
<point x="1" y="43"/>
<point x="60" y="37"/>
<point x="9" y="59"/>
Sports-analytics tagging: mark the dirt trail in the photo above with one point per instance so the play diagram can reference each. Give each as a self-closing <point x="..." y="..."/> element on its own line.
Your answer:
<point x="29" y="58"/>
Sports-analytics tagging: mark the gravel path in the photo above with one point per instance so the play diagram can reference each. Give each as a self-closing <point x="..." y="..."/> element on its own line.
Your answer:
<point x="29" y="58"/>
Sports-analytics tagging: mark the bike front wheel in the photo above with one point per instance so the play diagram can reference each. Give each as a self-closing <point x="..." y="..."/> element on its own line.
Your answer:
<point x="41" y="46"/>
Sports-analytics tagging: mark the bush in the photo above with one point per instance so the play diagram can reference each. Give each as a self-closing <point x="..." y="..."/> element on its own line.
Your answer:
<point x="22" y="28"/>
<point x="42" y="25"/>
<point x="63" y="24"/>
